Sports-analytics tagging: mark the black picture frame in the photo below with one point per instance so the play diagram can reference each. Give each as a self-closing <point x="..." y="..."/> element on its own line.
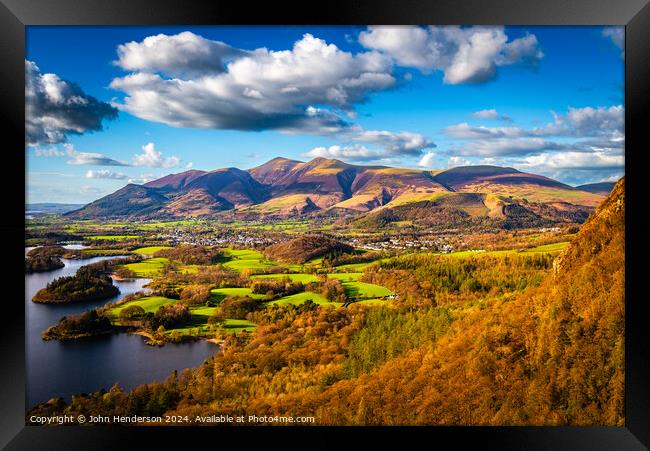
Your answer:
<point x="633" y="14"/>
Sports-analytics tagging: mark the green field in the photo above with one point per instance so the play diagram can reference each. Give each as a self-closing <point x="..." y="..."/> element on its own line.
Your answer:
<point x="149" y="304"/>
<point x="220" y="293"/>
<point x="363" y="290"/>
<point x="300" y="298"/>
<point x="250" y="259"/>
<point x="555" y="247"/>
<point x="198" y="323"/>
<point x="149" y="267"/>
<point x="345" y="276"/>
<point x="149" y="250"/>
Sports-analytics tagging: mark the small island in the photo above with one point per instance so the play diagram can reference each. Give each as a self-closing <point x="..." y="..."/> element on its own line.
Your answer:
<point x="42" y="264"/>
<point x="90" y="283"/>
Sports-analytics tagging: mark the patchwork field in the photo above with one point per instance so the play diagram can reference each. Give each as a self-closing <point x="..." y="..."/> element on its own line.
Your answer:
<point x="219" y="294"/>
<point x="149" y="250"/>
<point x="149" y="267"/>
<point x="300" y="298"/>
<point x="149" y="304"/>
<point x="363" y="290"/>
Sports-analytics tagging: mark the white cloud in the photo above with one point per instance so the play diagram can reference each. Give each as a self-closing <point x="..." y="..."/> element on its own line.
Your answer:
<point x="617" y="35"/>
<point x="154" y="159"/>
<point x="183" y="54"/>
<point x="457" y="161"/>
<point x="465" y="55"/>
<point x="486" y="114"/>
<point x="427" y="160"/>
<point x="355" y="152"/>
<point x="573" y="160"/>
<point x="401" y="143"/>
<point x="491" y="114"/>
<point x="105" y="174"/>
<point x="507" y="146"/>
<point x="189" y="165"/>
<point x="466" y="131"/>
<point x="55" y="108"/>
<point x="49" y="152"/>
<point x="601" y="129"/>
<point x="263" y="89"/>
<point x="90" y="158"/>
<point x="143" y="178"/>
<point x="591" y="121"/>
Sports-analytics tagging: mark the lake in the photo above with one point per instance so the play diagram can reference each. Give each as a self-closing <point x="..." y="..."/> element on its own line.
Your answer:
<point x="57" y="368"/>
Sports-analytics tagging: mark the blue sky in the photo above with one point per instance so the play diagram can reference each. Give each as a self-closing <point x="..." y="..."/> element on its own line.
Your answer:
<point x="107" y="106"/>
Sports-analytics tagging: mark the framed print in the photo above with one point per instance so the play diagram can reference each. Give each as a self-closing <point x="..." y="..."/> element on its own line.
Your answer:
<point x="402" y="218"/>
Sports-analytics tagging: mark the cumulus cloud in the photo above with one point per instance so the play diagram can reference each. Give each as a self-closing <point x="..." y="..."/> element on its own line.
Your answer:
<point x="506" y="146"/>
<point x="491" y="114"/>
<point x="396" y="144"/>
<point x="466" y="131"/>
<point x="427" y="160"/>
<point x="301" y="89"/>
<point x="384" y="145"/>
<point x="600" y="128"/>
<point x="105" y="174"/>
<point x="49" y="152"/>
<point x="457" y="161"/>
<point x="143" y="178"/>
<point x="464" y="54"/>
<point x="90" y="158"/>
<point x="154" y="159"/>
<point x="573" y="160"/>
<point x="182" y="55"/>
<point x="355" y="152"/>
<point x="56" y="108"/>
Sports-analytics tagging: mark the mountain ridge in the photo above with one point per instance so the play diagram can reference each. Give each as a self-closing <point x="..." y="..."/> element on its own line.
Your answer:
<point x="285" y="187"/>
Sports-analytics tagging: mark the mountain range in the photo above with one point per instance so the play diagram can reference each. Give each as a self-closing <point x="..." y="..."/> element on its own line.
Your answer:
<point x="283" y="187"/>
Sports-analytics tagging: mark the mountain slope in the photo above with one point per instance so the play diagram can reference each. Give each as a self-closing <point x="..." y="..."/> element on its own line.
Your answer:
<point x="284" y="187"/>
<point x="511" y="182"/>
<point x="132" y="200"/>
<point x="603" y="188"/>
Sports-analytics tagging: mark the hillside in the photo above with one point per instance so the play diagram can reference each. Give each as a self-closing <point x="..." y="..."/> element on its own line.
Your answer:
<point x="553" y="355"/>
<point x="305" y="248"/>
<point x="282" y="187"/>
<point x="603" y="188"/>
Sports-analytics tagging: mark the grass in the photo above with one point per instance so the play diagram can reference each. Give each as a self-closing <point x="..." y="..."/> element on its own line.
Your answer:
<point x="219" y="294"/>
<point x="554" y="247"/>
<point x="149" y="250"/>
<point x="345" y="276"/>
<point x="300" y="298"/>
<point x="198" y="324"/>
<point x="251" y="259"/>
<point x="148" y="303"/>
<point x="148" y="268"/>
<point x="363" y="290"/>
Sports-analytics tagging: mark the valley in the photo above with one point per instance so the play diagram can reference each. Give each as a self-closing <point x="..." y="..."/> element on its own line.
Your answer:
<point x="328" y="297"/>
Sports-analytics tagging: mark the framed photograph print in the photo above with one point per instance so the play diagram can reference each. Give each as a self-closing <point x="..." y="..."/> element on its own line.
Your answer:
<point x="355" y="217"/>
